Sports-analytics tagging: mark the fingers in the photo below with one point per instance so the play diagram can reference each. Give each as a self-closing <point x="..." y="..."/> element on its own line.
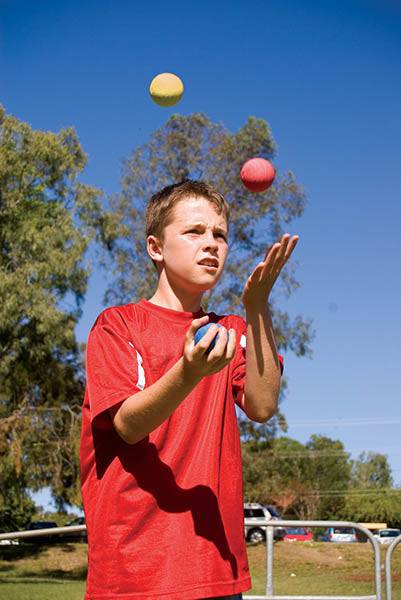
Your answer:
<point x="284" y="248"/>
<point x="287" y="245"/>
<point x="272" y="250"/>
<point x="225" y="345"/>
<point x="206" y="339"/>
<point x="220" y="345"/>
<point x="231" y="345"/>
<point x="278" y="255"/>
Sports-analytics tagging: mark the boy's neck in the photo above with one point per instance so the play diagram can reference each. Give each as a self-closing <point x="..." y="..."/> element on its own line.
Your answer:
<point x="174" y="303"/>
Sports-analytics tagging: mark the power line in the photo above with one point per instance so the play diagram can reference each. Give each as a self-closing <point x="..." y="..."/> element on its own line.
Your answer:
<point x="359" y="492"/>
<point x="346" y="422"/>
<point x="312" y="453"/>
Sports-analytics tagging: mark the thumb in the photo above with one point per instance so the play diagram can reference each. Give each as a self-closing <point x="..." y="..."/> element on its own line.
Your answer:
<point x="198" y="322"/>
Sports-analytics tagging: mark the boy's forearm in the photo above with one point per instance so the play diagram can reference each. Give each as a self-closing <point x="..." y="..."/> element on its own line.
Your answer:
<point x="262" y="383"/>
<point x="144" y="411"/>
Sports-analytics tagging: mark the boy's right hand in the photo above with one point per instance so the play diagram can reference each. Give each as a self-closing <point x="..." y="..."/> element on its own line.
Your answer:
<point x="197" y="363"/>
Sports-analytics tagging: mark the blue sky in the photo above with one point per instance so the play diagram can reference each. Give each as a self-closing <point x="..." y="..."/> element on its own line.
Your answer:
<point x="326" y="76"/>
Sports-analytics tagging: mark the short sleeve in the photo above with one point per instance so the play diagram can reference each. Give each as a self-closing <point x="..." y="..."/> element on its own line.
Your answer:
<point x="114" y="368"/>
<point x="239" y="367"/>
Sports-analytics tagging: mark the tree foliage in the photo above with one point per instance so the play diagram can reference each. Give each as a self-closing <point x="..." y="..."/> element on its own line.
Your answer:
<point x="306" y="481"/>
<point x="318" y="480"/>
<point x="371" y="495"/>
<point x="377" y="506"/>
<point x="47" y="220"/>
<point x="371" y="470"/>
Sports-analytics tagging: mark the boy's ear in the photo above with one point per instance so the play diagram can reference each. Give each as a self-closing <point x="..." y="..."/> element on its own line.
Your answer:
<point x="154" y="248"/>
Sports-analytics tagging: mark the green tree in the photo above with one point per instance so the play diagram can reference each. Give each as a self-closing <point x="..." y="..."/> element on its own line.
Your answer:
<point x="371" y="496"/>
<point x="371" y="470"/>
<point x="330" y="471"/>
<point x="47" y="220"/>
<point x="16" y="507"/>
<point x="305" y="481"/>
<point x="374" y="506"/>
<point x="195" y="147"/>
<point x="273" y="471"/>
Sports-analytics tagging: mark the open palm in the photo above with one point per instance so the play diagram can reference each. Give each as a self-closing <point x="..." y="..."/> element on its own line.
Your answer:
<point x="260" y="283"/>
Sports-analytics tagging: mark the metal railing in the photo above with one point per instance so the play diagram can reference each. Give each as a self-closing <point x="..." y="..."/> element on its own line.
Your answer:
<point x="14" y="535"/>
<point x="270" y="525"/>
<point x="389" y="554"/>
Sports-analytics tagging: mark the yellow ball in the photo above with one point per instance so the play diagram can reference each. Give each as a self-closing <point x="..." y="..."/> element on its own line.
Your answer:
<point x="166" y="89"/>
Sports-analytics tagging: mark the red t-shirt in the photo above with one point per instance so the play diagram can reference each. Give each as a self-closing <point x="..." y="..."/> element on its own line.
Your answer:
<point x="164" y="516"/>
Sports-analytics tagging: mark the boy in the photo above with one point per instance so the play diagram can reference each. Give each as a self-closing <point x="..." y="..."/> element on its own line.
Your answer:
<point x="161" y="468"/>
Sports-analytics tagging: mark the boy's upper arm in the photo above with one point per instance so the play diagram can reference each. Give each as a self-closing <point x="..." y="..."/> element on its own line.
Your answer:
<point x="113" y="410"/>
<point x="116" y="420"/>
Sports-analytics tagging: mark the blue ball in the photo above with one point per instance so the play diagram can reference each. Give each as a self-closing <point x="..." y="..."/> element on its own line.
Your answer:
<point x="201" y="332"/>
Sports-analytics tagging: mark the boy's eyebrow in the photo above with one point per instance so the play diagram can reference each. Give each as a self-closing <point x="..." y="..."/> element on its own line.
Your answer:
<point x="217" y="228"/>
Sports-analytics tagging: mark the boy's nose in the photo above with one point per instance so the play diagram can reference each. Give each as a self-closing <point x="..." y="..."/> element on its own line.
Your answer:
<point x="210" y="241"/>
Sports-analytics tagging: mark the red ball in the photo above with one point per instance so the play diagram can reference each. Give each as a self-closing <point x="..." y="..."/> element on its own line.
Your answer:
<point x="257" y="174"/>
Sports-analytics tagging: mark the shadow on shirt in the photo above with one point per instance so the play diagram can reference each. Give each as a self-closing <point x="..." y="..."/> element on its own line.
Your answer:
<point x="156" y="477"/>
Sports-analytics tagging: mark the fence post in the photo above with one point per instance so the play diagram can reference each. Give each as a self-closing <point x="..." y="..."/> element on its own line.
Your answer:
<point x="269" y="561"/>
<point x="389" y="553"/>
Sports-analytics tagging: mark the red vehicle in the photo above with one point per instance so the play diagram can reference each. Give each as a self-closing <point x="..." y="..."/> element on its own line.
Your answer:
<point x="301" y="534"/>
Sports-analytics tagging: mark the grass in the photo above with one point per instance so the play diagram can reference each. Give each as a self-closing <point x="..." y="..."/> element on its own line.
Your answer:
<point x="312" y="568"/>
<point x="46" y="572"/>
<point x="43" y="572"/>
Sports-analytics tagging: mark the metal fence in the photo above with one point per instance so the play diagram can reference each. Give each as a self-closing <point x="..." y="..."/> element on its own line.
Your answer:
<point x="270" y="525"/>
<point x="14" y="535"/>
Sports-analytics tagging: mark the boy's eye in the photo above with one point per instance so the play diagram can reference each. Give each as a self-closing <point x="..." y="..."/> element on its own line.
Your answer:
<point x="197" y="231"/>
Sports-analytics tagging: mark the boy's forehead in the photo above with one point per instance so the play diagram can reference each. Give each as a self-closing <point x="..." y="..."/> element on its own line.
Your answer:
<point x="195" y="209"/>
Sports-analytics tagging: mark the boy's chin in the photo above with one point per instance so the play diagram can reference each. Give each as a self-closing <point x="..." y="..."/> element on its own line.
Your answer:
<point x="205" y="287"/>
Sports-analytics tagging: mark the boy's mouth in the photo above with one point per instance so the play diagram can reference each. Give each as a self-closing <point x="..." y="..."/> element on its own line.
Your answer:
<point x="209" y="262"/>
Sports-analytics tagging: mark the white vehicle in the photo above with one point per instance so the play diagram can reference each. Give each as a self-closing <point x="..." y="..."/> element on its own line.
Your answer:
<point x="386" y="536"/>
<point x="340" y="535"/>
<point x="253" y="514"/>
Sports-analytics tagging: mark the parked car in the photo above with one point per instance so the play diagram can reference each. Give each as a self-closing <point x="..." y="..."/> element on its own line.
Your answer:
<point x="253" y="514"/>
<point x="74" y="536"/>
<point x="340" y="534"/>
<point x="11" y="542"/>
<point x="386" y="536"/>
<point x="301" y="534"/>
<point x="44" y="539"/>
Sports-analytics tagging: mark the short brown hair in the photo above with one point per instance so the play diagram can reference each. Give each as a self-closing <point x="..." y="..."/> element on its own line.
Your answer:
<point x="160" y="207"/>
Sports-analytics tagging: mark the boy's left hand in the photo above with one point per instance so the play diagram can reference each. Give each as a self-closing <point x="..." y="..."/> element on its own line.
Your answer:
<point x="260" y="283"/>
